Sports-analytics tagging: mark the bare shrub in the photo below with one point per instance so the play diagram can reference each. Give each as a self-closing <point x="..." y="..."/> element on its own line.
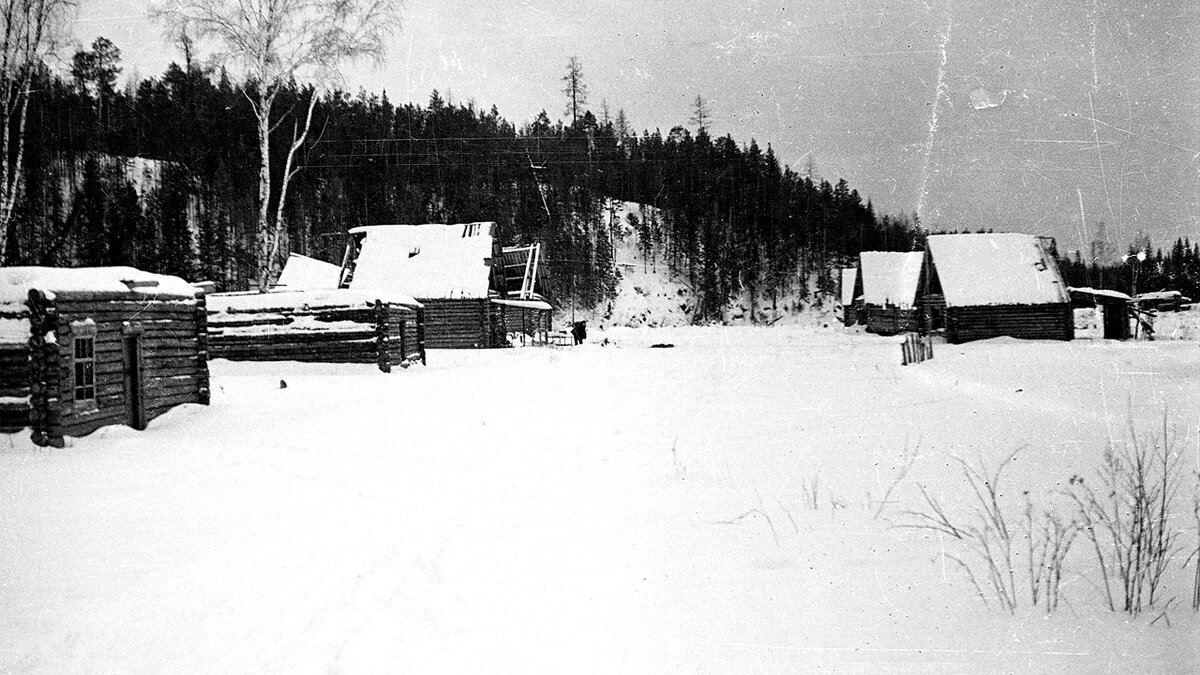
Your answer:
<point x="991" y="555"/>
<point x="987" y="536"/>
<point x="1048" y="545"/>
<point x="810" y="492"/>
<point x="1127" y="518"/>
<point x="1194" y="556"/>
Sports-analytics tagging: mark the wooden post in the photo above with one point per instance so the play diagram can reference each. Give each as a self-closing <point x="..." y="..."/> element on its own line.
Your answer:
<point x="381" y="337"/>
<point x="403" y="343"/>
<point x="421" y="333"/>
<point x="203" y="389"/>
<point x="44" y="392"/>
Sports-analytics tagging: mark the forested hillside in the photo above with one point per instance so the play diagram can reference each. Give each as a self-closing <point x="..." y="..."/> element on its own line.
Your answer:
<point x="733" y="216"/>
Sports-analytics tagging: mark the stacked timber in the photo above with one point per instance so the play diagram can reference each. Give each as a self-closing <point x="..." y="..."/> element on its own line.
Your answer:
<point x="283" y="327"/>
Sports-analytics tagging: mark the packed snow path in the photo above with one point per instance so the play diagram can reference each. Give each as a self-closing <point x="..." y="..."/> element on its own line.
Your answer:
<point x="595" y="509"/>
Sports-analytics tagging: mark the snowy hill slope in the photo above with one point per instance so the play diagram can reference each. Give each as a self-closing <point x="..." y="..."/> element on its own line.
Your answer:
<point x="649" y="294"/>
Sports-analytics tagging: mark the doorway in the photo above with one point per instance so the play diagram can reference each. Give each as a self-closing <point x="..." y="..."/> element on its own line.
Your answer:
<point x="135" y="399"/>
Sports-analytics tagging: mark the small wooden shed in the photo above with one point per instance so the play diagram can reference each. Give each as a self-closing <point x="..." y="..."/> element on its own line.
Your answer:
<point x="475" y="292"/>
<point x="85" y="348"/>
<point x="888" y="283"/>
<point x="997" y="284"/>
<point x="1114" y="306"/>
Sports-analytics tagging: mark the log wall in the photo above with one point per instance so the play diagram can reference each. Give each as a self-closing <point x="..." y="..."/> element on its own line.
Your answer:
<point x="387" y="335"/>
<point x="459" y="324"/>
<point x="174" y="369"/>
<point x="14" y="387"/>
<point x="1031" y="322"/>
<point x="892" y="320"/>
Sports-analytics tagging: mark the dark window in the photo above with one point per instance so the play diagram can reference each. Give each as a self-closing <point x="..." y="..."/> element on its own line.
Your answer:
<point x="85" y="369"/>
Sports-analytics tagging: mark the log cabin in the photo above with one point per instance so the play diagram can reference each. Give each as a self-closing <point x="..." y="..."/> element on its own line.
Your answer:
<point x="888" y="283"/>
<point x="997" y="284"/>
<point x="89" y="347"/>
<point x="327" y="325"/>
<point x="475" y="293"/>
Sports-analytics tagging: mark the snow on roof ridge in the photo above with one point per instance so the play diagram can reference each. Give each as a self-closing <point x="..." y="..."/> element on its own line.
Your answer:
<point x="16" y="282"/>
<point x="891" y="277"/>
<point x="996" y="268"/>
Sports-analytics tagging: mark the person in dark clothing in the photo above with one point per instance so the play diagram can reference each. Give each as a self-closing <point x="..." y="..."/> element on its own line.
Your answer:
<point x="579" y="331"/>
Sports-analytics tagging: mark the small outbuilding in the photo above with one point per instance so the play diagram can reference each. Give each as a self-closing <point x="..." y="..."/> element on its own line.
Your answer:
<point x="475" y="293"/>
<point x="1114" y="307"/>
<point x="888" y="283"/>
<point x="89" y="347"/>
<point x="997" y="284"/>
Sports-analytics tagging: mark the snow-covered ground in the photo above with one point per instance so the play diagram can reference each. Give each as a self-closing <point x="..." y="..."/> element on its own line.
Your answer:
<point x="616" y="508"/>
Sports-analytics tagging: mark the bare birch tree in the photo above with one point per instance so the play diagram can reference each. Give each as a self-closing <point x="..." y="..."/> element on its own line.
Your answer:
<point x="29" y="30"/>
<point x="274" y="43"/>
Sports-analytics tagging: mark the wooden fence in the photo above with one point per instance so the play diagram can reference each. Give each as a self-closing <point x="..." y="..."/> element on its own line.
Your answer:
<point x="915" y="349"/>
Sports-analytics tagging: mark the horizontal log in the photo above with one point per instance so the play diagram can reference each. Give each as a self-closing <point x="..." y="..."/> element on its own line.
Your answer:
<point x="297" y="337"/>
<point x="163" y="405"/>
<point x="240" y="322"/>
<point x="162" y="349"/>
<point x="152" y="395"/>
<point x="284" y="353"/>
<point x="304" y="358"/>
<point x="78" y="310"/>
<point x="150" y="366"/>
<point x="146" y="298"/>
<point x="84" y="424"/>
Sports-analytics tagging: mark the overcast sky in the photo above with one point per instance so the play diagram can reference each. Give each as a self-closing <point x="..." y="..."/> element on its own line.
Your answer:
<point x="1042" y="117"/>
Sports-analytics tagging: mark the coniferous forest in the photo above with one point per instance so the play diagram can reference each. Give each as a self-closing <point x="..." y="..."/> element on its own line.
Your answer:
<point x="730" y="217"/>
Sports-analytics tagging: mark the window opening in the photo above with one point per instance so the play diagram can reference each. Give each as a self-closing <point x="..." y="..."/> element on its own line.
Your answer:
<point x="85" y="369"/>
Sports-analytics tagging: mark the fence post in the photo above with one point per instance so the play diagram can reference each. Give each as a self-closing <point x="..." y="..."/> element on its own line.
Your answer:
<point x="382" y="358"/>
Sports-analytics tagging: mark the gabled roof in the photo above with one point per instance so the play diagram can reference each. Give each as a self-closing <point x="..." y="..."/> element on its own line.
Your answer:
<point x="302" y="272"/>
<point x="890" y="278"/>
<point x="425" y="261"/>
<point x="996" y="269"/>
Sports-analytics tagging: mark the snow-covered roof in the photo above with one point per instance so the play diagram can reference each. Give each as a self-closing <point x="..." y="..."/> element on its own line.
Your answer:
<point x="1099" y="292"/>
<point x="282" y="299"/>
<point x="304" y="272"/>
<point x="525" y="304"/>
<point x="849" y="276"/>
<point x="426" y="261"/>
<point x="1159" y="296"/>
<point x="890" y="278"/>
<point x="16" y="282"/>
<point x="996" y="269"/>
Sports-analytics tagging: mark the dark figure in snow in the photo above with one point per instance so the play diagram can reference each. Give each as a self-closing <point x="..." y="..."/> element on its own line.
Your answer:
<point x="579" y="331"/>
